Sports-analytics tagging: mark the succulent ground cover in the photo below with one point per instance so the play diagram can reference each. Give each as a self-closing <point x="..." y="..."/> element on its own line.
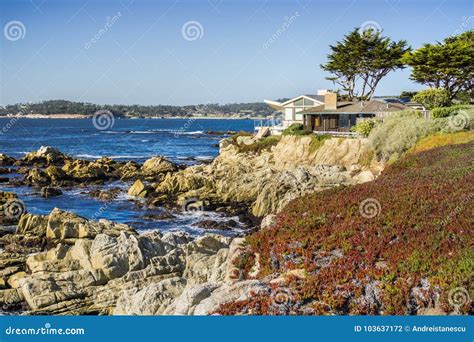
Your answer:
<point x="391" y="246"/>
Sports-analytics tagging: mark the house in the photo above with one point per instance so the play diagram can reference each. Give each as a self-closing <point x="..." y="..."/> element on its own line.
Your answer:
<point x="291" y="109"/>
<point x="337" y="117"/>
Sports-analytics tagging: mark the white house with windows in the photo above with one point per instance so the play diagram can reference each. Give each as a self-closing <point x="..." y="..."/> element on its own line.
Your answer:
<point x="291" y="109"/>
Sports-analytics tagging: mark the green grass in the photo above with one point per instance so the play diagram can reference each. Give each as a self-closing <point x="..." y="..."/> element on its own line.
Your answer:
<point x="317" y="140"/>
<point x="264" y="144"/>
<point x="234" y="137"/>
<point x="296" y="129"/>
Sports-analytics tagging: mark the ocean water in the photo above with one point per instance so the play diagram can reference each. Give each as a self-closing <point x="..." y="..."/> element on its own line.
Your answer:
<point x="184" y="141"/>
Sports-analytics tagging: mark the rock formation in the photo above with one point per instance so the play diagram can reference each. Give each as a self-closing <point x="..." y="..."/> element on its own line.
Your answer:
<point x="71" y="265"/>
<point x="267" y="181"/>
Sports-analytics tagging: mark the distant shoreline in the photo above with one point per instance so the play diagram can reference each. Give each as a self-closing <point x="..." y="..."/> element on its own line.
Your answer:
<point x="87" y="116"/>
<point x="49" y="116"/>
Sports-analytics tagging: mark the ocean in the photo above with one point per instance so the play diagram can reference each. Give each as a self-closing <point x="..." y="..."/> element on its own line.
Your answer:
<point x="184" y="141"/>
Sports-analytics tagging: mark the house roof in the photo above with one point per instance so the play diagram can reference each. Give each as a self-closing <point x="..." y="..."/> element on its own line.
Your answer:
<point x="319" y="98"/>
<point x="372" y="106"/>
<point x="280" y="105"/>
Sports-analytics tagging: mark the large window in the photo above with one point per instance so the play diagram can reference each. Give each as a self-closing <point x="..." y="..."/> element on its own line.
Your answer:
<point x="344" y="121"/>
<point x="291" y="112"/>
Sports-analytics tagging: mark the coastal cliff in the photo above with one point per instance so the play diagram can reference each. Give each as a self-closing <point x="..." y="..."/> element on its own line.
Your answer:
<point x="267" y="180"/>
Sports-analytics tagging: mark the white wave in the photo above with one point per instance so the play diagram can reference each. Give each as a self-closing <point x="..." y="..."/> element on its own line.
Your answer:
<point x="89" y="156"/>
<point x="127" y="156"/>
<point x="120" y="156"/>
<point x="204" y="157"/>
<point x="195" y="132"/>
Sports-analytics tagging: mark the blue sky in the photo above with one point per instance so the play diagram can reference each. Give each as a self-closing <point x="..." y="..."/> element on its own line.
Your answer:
<point x="66" y="50"/>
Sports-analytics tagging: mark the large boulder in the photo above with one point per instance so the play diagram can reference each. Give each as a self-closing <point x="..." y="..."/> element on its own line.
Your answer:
<point x="50" y="191"/>
<point x="130" y="170"/>
<point x="45" y="156"/>
<point x="6" y="160"/>
<point x="32" y="225"/>
<point x="65" y="225"/>
<point x="158" y="165"/>
<point x="228" y="292"/>
<point x="152" y="300"/>
<point x="139" y="189"/>
<point x="37" y="177"/>
<point x="92" y="267"/>
<point x="83" y="171"/>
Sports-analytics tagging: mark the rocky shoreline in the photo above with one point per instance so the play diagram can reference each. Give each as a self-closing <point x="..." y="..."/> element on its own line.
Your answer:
<point x="62" y="263"/>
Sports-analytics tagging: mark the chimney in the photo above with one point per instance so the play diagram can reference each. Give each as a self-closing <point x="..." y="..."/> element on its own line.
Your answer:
<point x="330" y="101"/>
<point x="322" y="92"/>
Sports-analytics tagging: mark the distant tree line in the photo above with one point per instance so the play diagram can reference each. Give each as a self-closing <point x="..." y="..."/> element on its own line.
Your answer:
<point x="69" y="107"/>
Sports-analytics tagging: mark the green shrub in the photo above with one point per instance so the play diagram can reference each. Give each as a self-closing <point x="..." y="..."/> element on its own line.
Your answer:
<point x="402" y="130"/>
<point x="234" y="136"/>
<point x="442" y="112"/>
<point x="363" y="128"/>
<point x="463" y="97"/>
<point x="431" y="98"/>
<point x="296" y="129"/>
<point x="263" y="144"/>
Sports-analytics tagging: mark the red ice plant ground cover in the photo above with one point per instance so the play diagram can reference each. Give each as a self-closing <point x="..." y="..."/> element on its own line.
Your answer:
<point x="415" y="249"/>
